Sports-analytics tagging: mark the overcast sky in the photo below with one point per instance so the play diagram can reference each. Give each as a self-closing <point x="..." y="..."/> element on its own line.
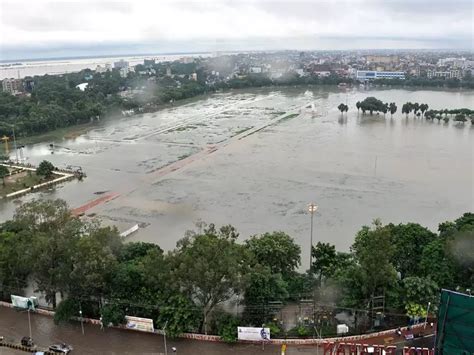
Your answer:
<point x="43" y="28"/>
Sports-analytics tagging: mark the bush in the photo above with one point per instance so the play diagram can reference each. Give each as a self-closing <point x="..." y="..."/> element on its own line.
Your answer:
<point x="112" y="314"/>
<point x="227" y="327"/>
<point x="302" y="331"/>
<point x="275" y="329"/>
<point x="66" y="310"/>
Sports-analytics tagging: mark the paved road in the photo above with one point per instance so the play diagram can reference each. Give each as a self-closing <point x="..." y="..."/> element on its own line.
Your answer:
<point x="14" y="325"/>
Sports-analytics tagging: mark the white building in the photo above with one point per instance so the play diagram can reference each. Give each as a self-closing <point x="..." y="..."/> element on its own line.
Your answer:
<point x="372" y="74"/>
<point x="448" y="74"/>
<point x="124" y="72"/>
<point x="256" y="70"/>
<point x="12" y="86"/>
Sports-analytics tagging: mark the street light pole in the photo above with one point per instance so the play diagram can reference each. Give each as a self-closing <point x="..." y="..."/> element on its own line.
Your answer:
<point x="29" y="322"/>
<point x="312" y="208"/>
<point x="427" y="311"/>
<point x="82" y="325"/>
<point x="164" y="337"/>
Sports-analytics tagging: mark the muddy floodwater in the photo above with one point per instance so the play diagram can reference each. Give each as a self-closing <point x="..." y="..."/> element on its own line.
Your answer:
<point x="239" y="157"/>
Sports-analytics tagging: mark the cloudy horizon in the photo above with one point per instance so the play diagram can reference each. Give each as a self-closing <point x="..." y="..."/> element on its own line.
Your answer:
<point x="64" y="28"/>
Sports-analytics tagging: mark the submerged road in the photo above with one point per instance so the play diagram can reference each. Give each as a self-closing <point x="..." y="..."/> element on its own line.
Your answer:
<point x="14" y="325"/>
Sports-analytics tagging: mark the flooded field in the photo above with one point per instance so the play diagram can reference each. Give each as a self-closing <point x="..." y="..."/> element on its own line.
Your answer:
<point x="240" y="158"/>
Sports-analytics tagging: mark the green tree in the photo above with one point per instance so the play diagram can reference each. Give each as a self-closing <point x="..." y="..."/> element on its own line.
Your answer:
<point x="408" y="241"/>
<point x="93" y="263"/>
<point x="54" y="233"/>
<point x="4" y="172"/>
<point x="324" y="260"/>
<point x="373" y="252"/>
<point x="358" y="105"/>
<point x="276" y="250"/>
<point x="420" y="290"/>
<point x="392" y="108"/>
<point x="179" y="315"/>
<point x="210" y="267"/>
<point x="45" y="169"/>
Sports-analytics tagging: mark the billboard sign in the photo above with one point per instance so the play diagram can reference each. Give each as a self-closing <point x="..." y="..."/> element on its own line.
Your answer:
<point x="24" y="302"/>
<point x="253" y="333"/>
<point x="137" y="323"/>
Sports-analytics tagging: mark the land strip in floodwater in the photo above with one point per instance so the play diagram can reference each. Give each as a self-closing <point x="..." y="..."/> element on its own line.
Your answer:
<point x="157" y="175"/>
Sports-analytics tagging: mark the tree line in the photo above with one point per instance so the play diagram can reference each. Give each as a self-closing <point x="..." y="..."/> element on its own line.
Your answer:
<point x="81" y="266"/>
<point x="372" y="104"/>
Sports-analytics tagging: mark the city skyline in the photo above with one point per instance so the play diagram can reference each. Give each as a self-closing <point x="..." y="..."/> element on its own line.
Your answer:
<point x="45" y="29"/>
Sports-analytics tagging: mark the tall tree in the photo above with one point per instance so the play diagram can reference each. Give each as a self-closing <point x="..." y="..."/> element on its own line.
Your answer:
<point x="210" y="267"/>
<point x="55" y="233"/>
<point x="373" y="251"/>
<point x="276" y="250"/>
<point x="408" y="241"/>
<point x="324" y="259"/>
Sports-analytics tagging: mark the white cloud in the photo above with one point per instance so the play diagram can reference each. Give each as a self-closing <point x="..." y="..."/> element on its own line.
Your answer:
<point x="65" y="23"/>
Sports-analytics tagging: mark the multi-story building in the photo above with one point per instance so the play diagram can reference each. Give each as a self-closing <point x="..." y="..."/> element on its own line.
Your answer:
<point x="372" y="74"/>
<point x="448" y="74"/>
<point x="149" y="63"/>
<point x="103" y="69"/>
<point x="382" y="59"/>
<point x="124" y="72"/>
<point x="12" y="86"/>
<point x="121" y="64"/>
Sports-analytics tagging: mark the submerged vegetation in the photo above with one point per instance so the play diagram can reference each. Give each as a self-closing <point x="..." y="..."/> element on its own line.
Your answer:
<point x="94" y="270"/>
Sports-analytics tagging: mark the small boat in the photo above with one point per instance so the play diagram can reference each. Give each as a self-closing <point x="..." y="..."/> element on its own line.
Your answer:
<point x="61" y="348"/>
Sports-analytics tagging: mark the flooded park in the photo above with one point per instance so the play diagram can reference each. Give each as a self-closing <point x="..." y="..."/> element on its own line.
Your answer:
<point x="256" y="158"/>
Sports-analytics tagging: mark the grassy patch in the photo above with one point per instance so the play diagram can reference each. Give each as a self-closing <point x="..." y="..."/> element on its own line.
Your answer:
<point x="20" y="181"/>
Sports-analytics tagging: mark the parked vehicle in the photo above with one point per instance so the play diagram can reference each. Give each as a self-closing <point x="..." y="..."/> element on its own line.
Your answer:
<point x="61" y="348"/>
<point x="27" y="341"/>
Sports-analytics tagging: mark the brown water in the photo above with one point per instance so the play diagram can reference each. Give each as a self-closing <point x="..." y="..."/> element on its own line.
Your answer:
<point x="14" y="325"/>
<point x="356" y="168"/>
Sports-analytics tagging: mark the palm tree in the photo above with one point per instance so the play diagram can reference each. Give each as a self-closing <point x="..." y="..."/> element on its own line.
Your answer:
<point x="423" y="108"/>
<point x="416" y="107"/>
<point x="341" y="108"/>
<point x="393" y="108"/>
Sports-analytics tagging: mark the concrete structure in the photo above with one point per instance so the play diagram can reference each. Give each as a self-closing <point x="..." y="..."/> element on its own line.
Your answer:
<point x="448" y="74"/>
<point x="103" y="69"/>
<point x="124" y="72"/>
<point x="382" y="59"/>
<point x="149" y="63"/>
<point x="372" y="74"/>
<point x="121" y="64"/>
<point x="12" y="86"/>
<point x="256" y="70"/>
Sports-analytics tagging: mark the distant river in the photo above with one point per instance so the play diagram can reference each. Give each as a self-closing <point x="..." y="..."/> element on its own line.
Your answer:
<point x="356" y="168"/>
<point x="20" y="69"/>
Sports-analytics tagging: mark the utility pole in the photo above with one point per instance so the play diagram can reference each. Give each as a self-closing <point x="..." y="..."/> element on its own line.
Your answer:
<point x="82" y="324"/>
<point x="14" y="144"/>
<point x="312" y="208"/>
<point x="164" y="337"/>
